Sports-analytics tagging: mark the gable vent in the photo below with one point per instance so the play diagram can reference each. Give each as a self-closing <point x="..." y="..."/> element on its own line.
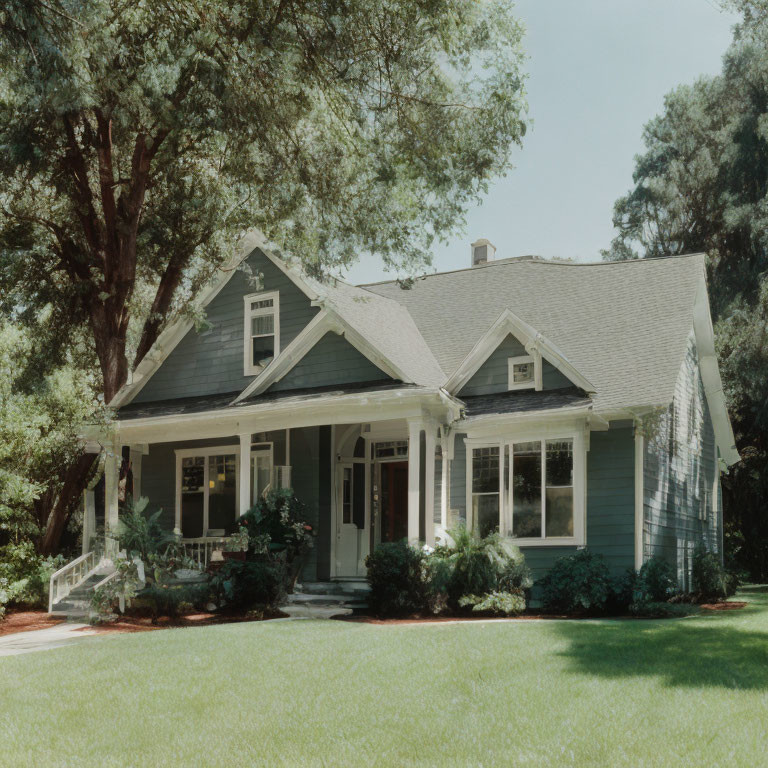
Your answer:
<point x="483" y="250"/>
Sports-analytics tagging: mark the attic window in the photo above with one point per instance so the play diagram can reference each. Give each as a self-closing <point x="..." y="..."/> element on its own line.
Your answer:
<point x="522" y="373"/>
<point x="261" y="332"/>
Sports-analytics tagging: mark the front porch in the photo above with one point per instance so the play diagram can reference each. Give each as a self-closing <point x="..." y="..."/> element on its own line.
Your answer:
<point x="363" y="482"/>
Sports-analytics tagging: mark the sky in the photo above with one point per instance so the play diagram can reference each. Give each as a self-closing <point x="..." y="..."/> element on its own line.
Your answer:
<point x="598" y="71"/>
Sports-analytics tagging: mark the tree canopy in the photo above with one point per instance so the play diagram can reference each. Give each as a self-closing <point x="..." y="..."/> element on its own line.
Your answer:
<point x="141" y="138"/>
<point x="702" y="185"/>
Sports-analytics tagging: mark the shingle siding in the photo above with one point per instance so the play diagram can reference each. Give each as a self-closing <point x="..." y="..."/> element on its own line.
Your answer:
<point x="680" y="475"/>
<point x="211" y="362"/>
<point x="332" y="361"/>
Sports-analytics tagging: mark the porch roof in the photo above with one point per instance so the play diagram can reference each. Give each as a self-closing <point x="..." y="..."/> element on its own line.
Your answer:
<point x="525" y="401"/>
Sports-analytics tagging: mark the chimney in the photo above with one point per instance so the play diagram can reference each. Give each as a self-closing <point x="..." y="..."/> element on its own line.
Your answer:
<point x="483" y="250"/>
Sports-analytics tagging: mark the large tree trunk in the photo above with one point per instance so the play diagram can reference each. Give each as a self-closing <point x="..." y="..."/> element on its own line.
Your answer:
<point x="74" y="481"/>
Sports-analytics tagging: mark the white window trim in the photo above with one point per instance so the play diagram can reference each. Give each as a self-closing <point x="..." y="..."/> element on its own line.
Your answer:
<point x="205" y="452"/>
<point x="347" y="465"/>
<point x="249" y="369"/>
<point x="511" y="363"/>
<point x="505" y="507"/>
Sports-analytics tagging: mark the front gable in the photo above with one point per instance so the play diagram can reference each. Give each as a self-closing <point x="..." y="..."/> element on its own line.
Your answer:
<point x="211" y="361"/>
<point x="332" y="361"/>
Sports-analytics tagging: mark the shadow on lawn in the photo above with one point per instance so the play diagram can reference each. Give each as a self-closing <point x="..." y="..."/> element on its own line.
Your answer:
<point x="714" y="652"/>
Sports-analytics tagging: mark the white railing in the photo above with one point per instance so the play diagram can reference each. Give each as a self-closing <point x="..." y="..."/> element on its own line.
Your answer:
<point x="71" y="576"/>
<point x="200" y="549"/>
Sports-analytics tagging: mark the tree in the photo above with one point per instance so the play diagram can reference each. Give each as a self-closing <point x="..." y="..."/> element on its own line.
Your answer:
<point x="141" y="138"/>
<point x="702" y="185"/>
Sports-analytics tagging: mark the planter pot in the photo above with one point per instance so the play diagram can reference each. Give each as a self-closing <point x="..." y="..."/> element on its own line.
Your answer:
<point x="234" y="555"/>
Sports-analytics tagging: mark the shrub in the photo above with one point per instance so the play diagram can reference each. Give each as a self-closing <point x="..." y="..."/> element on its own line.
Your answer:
<point x="243" y="584"/>
<point x="656" y="582"/>
<point x="141" y="534"/>
<point x="168" y="600"/>
<point x="475" y="566"/>
<point x="495" y="603"/>
<point x="117" y="593"/>
<point x="578" y="583"/>
<point x="710" y="580"/>
<point x="662" y="610"/>
<point x="395" y="577"/>
<point x="621" y="594"/>
<point x="277" y="523"/>
<point x="25" y="575"/>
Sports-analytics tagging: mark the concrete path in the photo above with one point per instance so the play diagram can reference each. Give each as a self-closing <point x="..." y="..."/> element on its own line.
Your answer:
<point x="44" y="639"/>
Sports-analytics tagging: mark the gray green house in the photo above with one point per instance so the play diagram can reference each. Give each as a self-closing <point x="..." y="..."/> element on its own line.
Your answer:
<point x="565" y="405"/>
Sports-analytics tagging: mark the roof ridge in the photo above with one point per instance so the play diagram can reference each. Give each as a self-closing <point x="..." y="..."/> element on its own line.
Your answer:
<point x="513" y="260"/>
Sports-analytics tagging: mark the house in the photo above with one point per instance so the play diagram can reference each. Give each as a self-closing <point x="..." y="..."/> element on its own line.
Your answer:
<point x="563" y="404"/>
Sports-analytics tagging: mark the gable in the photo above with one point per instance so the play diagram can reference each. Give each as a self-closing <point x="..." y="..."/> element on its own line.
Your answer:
<point x="333" y="361"/>
<point x="211" y="361"/>
<point x="493" y="375"/>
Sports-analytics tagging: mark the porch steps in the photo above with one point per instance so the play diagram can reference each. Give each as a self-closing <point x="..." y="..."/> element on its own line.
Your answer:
<point x="76" y="606"/>
<point x="322" y="600"/>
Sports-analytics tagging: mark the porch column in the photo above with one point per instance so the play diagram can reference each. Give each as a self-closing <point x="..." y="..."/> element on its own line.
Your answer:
<point x="112" y="460"/>
<point x="245" y="473"/>
<point x="136" y="454"/>
<point x="430" y="436"/>
<point x="414" y="451"/>
<point x="89" y="518"/>
<point x="446" y="446"/>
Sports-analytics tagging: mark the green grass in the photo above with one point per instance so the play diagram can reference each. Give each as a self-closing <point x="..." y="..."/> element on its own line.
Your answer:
<point x="681" y="692"/>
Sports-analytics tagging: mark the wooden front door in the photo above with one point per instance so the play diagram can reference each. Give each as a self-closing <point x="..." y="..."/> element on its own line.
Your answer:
<point x="394" y="500"/>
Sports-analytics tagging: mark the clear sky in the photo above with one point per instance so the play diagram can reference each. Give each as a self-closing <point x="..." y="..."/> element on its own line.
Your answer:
<point x="598" y="70"/>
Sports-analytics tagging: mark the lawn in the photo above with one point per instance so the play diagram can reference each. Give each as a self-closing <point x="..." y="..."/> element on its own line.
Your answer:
<point x="682" y="692"/>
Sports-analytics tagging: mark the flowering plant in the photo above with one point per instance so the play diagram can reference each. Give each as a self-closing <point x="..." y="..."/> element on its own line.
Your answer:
<point x="238" y="541"/>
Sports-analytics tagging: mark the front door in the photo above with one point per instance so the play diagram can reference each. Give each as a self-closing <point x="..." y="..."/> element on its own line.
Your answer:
<point x="394" y="500"/>
<point x="351" y="521"/>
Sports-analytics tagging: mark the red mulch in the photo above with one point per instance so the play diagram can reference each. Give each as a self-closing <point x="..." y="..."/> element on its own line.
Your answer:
<point x="144" y="623"/>
<point x="729" y="606"/>
<point x="441" y="619"/>
<point x="24" y="621"/>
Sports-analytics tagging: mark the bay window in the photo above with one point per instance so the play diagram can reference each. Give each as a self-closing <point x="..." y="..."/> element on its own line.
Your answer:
<point x="527" y="489"/>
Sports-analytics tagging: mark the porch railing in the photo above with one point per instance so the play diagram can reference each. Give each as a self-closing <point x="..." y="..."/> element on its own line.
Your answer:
<point x="72" y="575"/>
<point x="200" y="549"/>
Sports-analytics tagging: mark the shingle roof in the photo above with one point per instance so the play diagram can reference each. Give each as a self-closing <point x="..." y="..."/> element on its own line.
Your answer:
<point x="525" y="401"/>
<point x="387" y="324"/>
<point x="623" y="325"/>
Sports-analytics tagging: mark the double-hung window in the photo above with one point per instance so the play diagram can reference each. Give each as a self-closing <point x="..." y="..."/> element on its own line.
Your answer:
<point x="521" y="372"/>
<point x="527" y="489"/>
<point x="261" y="331"/>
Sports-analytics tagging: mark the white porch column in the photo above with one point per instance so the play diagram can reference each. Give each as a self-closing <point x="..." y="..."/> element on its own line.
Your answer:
<point x="414" y="455"/>
<point x="245" y="473"/>
<point x="429" y="484"/>
<point x="446" y="446"/>
<point x="111" y="509"/>
<point x="89" y="518"/>
<point x="136" y="454"/>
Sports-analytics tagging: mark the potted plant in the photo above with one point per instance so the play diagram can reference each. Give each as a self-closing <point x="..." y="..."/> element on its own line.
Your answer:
<point x="236" y="545"/>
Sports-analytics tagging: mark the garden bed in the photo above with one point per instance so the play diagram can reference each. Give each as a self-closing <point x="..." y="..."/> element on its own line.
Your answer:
<point x="201" y="619"/>
<point x="27" y="621"/>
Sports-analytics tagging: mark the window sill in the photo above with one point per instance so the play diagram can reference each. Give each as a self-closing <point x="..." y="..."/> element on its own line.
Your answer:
<point x="560" y="541"/>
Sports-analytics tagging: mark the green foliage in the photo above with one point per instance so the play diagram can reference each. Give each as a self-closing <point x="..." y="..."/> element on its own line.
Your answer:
<point x="162" y="567"/>
<point x="578" y="583"/>
<point x="244" y="584"/>
<point x="239" y="541"/>
<point x="117" y="593"/>
<point x="475" y="566"/>
<point x="396" y="581"/>
<point x="40" y="416"/>
<point x="495" y="603"/>
<point x="25" y="576"/>
<point x="278" y="524"/>
<point x="142" y="534"/>
<point x="622" y="592"/>
<point x="700" y="187"/>
<point x="662" y="610"/>
<point x="170" y="599"/>
<point x="656" y="582"/>
<point x="710" y="580"/>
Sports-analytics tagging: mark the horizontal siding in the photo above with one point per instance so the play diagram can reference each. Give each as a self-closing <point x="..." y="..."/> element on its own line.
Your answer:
<point x="675" y="480"/>
<point x="332" y="361"/>
<point x="211" y="362"/>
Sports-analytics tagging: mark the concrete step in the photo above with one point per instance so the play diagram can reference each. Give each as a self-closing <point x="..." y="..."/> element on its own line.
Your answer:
<point x="333" y="588"/>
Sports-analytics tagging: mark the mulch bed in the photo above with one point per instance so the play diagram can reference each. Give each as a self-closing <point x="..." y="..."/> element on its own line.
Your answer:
<point x="144" y="623"/>
<point x="25" y="621"/>
<point x="729" y="606"/>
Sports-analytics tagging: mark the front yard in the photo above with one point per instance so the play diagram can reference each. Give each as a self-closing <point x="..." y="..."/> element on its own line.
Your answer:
<point x="683" y="692"/>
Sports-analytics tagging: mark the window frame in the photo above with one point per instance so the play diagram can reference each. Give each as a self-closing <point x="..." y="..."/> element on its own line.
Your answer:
<point x="205" y="453"/>
<point x="249" y="368"/>
<point x="520" y="360"/>
<point x="550" y="433"/>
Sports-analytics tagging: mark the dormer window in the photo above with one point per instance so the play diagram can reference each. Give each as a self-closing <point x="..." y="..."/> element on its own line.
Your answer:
<point x="262" y="331"/>
<point x="522" y="373"/>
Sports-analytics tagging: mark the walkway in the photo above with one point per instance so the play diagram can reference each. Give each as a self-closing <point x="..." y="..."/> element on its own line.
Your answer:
<point x="44" y="639"/>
